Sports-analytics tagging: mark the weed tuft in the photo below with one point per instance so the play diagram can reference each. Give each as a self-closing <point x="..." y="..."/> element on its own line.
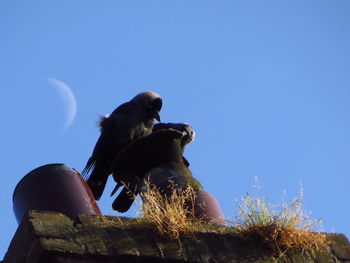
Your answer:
<point x="288" y="227"/>
<point x="170" y="214"/>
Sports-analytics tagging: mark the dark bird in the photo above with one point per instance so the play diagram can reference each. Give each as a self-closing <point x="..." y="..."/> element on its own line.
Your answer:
<point x="157" y="156"/>
<point x="130" y="121"/>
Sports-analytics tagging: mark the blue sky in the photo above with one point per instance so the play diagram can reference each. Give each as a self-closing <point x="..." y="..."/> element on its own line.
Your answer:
<point x="265" y="84"/>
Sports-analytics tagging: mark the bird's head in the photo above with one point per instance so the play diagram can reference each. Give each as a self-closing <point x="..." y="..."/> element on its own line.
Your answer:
<point x="150" y="102"/>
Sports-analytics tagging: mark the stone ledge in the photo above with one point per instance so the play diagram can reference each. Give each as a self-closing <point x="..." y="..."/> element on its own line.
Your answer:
<point x="53" y="237"/>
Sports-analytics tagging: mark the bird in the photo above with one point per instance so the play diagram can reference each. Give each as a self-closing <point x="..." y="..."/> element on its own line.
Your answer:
<point x="128" y="122"/>
<point x="158" y="156"/>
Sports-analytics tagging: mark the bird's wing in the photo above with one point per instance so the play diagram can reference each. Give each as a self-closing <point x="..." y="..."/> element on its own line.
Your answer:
<point x="114" y="135"/>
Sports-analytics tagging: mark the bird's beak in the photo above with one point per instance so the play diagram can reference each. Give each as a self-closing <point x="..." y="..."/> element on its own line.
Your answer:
<point x="156" y="116"/>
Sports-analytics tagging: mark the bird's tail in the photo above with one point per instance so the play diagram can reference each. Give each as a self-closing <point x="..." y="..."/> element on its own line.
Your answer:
<point x="115" y="189"/>
<point x="97" y="182"/>
<point x="124" y="200"/>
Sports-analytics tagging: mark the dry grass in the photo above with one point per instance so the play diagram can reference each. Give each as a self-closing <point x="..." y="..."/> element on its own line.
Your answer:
<point x="170" y="215"/>
<point x="288" y="227"/>
<point x="279" y="228"/>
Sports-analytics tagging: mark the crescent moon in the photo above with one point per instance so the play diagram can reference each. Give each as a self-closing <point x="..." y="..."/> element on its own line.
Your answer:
<point x="70" y="103"/>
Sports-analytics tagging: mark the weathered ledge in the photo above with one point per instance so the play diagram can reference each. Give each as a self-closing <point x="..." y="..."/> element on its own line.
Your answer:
<point x="53" y="237"/>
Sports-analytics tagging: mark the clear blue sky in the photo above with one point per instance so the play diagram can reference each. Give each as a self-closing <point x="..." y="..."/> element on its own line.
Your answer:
<point x="265" y="84"/>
